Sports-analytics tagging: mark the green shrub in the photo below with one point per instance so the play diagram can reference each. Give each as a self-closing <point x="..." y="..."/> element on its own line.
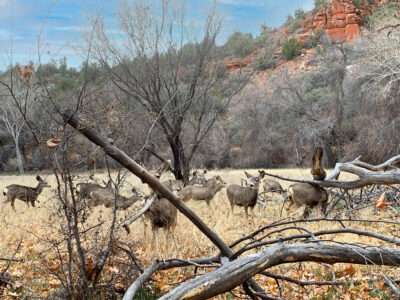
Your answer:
<point x="320" y="4"/>
<point x="295" y="22"/>
<point x="318" y="34"/>
<point x="357" y="3"/>
<point x="311" y="43"/>
<point x="220" y="71"/>
<point x="265" y="32"/>
<point x="264" y="61"/>
<point x="241" y="44"/>
<point x="385" y="11"/>
<point x="291" y="48"/>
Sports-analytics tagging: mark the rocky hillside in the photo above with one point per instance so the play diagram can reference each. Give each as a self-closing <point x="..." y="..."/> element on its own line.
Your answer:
<point x="342" y="19"/>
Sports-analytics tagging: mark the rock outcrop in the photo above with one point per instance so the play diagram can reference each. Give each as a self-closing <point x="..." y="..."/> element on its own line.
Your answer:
<point x="342" y="19"/>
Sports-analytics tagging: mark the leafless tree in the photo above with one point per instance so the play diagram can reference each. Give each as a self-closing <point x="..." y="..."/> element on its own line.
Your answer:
<point x="12" y="122"/>
<point x="165" y="63"/>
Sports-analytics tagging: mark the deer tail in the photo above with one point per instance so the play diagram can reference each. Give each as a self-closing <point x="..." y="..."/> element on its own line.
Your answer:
<point x="5" y="191"/>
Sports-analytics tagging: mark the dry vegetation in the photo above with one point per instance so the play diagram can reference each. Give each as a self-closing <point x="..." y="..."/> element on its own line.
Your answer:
<point x="33" y="226"/>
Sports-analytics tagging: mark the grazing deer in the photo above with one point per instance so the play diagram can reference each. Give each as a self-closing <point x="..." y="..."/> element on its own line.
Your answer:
<point x="308" y="194"/>
<point x="107" y="197"/>
<point x="317" y="169"/>
<point x="24" y="193"/>
<point x="205" y="193"/>
<point x="245" y="196"/>
<point x="272" y="186"/>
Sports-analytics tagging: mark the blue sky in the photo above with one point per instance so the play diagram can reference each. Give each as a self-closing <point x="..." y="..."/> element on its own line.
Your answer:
<point x="59" y="23"/>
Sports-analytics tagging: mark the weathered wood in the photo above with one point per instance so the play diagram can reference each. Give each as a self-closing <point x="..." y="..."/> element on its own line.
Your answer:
<point x="366" y="177"/>
<point x="161" y="265"/>
<point x="238" y="271"/>
<point x="132" y="219"/>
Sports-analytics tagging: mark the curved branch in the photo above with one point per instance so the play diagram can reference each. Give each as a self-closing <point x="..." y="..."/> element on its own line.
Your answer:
<point x="130" y="220"/>
<point x="162" y="265"/>
<point x="378" y="236"/>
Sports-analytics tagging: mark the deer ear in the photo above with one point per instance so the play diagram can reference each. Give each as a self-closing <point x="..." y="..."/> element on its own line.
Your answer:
<point x="247" y="174"/>
<point x="38" y="178"/>
<point x="261" y="173"/>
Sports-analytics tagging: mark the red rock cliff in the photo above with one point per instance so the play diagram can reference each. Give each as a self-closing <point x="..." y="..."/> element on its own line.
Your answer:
<point x="341" y="20"/>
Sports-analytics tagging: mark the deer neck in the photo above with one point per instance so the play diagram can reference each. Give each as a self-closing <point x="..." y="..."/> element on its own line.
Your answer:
<point x="39" y="188"/>
<point x="215" y="188"/>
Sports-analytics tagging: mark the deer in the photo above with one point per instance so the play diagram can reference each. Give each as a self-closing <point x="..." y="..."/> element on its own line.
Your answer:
<point x="83" y="189"/>
<point x="163" y="214"/>
<point x="272" y="186"/>
<point x="198" y="178"/>
<point x="24" y="193"/>
<point x="245" y="196"/>
<point x="205" y="193"/>
<point x="307" y="194"/>
<point x="107" y="197"/>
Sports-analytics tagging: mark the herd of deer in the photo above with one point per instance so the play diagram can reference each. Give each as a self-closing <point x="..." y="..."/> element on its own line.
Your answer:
<point x="163" y="214"/>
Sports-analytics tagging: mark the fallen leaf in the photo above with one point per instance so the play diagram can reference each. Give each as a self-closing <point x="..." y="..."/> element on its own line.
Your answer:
<point x="53" y="142"/>
<point x="380" y="204"/>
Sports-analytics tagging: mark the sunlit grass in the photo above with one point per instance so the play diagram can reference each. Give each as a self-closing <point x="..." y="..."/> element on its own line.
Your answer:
<point x="28" y="223"/>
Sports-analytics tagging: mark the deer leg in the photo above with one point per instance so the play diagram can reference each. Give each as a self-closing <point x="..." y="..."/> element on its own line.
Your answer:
<point x="12" y="204"/>
<point x="252" y="214"/>
<point x="33" y="203"/>
<point x="173" y="226"/>
<point x="247" y="214"/>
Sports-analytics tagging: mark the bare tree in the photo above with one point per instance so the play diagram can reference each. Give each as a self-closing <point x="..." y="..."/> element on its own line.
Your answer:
<point x="12" y="122"/>
<point x="165" y="63"/>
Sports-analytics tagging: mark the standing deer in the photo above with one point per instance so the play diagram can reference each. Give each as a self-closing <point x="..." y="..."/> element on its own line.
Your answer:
<point x="205" y="193"/>
<point x="24" y="193"/>
<point x="308" y="194"/>
<point x="245" y="196"/>
<point x="163" y="214"/>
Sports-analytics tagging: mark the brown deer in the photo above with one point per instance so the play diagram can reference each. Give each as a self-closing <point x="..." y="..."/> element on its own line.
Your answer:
<point x="83" y="189"/>
<point x="107" y="197"/>
<point x="163" y="214"/>
<point x="205" y="193"/>
<point x="272" y="186"/>
<point x="245" y="196"/>
<point x="317" y="169"/>
<point x="24" y="193"/>
<point x="198" y="178"/>
<point x="307" y="194"/>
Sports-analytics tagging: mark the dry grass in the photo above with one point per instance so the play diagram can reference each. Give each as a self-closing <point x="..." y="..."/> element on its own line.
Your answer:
<point x="191" y="243"/>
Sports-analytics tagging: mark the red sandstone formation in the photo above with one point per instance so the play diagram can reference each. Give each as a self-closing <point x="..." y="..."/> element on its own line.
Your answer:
<point x="341" y="20"/>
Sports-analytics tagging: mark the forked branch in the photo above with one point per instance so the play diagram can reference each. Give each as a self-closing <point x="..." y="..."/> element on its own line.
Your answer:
<point x="367" y="175"/>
